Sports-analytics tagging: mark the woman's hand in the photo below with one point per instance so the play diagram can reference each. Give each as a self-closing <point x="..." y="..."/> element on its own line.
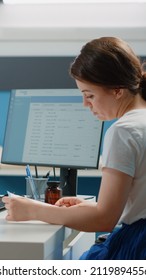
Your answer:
<point x="19" y="208"/>
<point x="69" y="201"/>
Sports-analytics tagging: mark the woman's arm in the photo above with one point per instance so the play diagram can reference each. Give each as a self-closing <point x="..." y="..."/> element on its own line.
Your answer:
<point x="83" y="215"/>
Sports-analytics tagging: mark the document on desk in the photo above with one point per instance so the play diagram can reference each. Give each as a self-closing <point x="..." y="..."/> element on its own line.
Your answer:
<point x="15" y="195"/>
<point x="10" y="194"/>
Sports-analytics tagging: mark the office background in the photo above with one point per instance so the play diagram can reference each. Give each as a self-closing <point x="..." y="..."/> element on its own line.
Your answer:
<point x="33" y="36"/>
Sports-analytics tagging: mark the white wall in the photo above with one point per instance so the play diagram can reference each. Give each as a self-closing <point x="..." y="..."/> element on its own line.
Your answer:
<point x="61" y="29"/>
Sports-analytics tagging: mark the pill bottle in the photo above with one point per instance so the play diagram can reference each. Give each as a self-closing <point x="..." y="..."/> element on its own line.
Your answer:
<point x="53" y="192"/>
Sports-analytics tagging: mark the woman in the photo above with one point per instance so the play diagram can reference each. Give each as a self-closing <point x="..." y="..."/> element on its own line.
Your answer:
<point x="112" y="82"/>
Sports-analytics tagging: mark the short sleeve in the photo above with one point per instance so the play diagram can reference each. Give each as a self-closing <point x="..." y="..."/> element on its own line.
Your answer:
<point x="120" y="150"/>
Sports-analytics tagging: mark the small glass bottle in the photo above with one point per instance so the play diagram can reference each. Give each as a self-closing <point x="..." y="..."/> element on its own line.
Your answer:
<point x="53" y="192"/>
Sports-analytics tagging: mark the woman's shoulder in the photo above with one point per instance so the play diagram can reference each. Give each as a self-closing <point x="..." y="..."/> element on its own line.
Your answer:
<point x="134" y="119"/>
<point x="132" y="126"/>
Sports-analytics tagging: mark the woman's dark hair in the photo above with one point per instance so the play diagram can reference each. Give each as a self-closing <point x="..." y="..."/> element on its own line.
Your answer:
<point x="110" y="62"/>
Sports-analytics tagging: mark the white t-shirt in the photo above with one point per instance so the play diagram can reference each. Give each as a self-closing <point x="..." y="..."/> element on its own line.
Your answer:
<point x="125" y="150"/>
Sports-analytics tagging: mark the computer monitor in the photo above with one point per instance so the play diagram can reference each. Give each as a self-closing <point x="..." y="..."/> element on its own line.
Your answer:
<point x="50" y="127"/>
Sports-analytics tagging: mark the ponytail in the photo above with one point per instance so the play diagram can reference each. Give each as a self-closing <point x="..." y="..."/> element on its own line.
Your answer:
<point x="143" y="86"/>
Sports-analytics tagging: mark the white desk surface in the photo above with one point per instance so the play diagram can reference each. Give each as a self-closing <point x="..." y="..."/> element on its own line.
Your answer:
<point x="30" y="240"/>
<point x="35" y="240"/>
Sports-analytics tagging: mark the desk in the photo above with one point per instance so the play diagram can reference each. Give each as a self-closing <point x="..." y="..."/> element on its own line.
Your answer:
<point x="30" y="240"/>
<point x="35" y="240"/>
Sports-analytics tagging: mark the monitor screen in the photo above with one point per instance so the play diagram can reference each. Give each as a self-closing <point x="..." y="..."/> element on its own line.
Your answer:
<point x="50" y="127"/>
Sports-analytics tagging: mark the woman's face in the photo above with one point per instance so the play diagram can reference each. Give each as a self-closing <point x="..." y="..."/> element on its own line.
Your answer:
<point x="101" y="101"/>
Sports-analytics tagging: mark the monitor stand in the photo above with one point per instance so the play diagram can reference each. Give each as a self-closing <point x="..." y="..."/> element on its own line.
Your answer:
<point x="68" y="181"/>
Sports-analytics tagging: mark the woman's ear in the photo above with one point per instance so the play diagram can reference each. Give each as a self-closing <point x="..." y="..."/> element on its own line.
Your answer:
<point x="118" y="93"/>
